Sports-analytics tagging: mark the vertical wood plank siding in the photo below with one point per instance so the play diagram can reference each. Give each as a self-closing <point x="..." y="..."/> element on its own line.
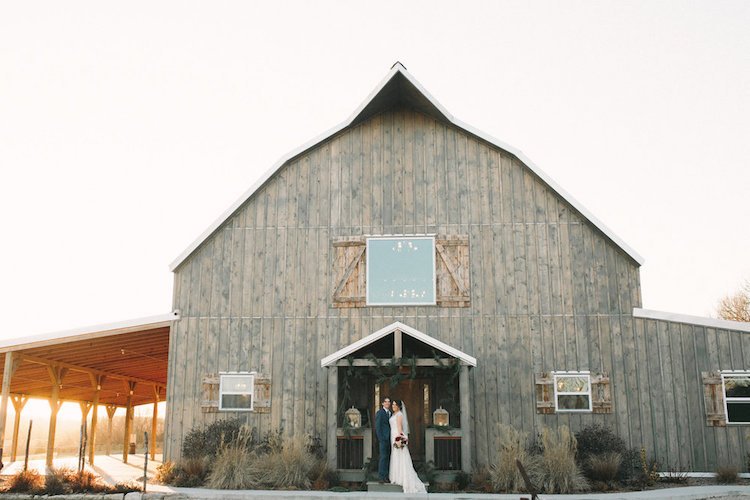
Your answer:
<point x="548" y="292"/>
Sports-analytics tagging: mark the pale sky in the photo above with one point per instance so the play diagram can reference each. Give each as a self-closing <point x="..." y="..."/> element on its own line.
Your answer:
<point x="127" y="128"/>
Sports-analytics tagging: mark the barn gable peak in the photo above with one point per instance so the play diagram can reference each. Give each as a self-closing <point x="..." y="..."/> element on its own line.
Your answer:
<point x="400" y="88"/>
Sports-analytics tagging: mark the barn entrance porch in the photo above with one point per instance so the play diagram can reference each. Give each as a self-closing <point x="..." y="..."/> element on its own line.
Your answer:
<point x="400" y="362"/>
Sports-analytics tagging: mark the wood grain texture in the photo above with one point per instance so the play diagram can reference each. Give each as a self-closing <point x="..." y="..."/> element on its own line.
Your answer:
<point x="548" y="291"/>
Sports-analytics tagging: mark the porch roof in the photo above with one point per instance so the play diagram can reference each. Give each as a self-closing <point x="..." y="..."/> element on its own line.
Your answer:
<point x="127" y="351"/>
<point x="383" y="332"/>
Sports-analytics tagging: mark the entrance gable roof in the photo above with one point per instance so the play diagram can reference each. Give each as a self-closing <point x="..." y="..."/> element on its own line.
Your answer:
<point x="412" y="332"/>
<point x="400" y="87"/>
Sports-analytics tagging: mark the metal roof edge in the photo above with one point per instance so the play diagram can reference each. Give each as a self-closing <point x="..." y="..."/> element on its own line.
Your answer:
<point x="399" y="68"/>
<point x="692" y="320"/>
<point x="92" y="331"/>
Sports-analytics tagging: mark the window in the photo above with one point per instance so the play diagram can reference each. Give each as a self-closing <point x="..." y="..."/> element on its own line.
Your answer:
<point x="572" y="391"/>
<point x="736" y="386"/>
<point x="401" y="271"/>
<point x="236" y="391"/>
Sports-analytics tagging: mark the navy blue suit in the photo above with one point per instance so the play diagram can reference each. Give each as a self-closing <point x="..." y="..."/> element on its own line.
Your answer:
<point x="383" y="433"/>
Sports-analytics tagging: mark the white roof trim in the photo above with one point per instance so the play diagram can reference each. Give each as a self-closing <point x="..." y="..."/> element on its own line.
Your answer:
<point x="89" y="332"/>
<point x="383" y="332"/>
<point x="693" y="320"/>
<point x="398" y="68"/>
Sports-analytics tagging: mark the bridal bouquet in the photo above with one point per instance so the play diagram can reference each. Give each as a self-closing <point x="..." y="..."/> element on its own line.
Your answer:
<point x="401" y="441"/>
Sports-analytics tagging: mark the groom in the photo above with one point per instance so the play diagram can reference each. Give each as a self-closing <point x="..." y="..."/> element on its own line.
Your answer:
<point x="383" y="433"/>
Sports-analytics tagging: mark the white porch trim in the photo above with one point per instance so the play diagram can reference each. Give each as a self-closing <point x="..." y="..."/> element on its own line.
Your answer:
<point x="422" y="337"/>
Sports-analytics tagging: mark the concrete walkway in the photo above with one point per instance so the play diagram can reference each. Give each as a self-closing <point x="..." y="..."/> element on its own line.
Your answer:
<point x="110" y="468"/>
<point x="723" y="492"/>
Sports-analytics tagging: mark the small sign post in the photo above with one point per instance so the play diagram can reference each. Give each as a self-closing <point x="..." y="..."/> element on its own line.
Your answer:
<point x="145" y="460"/>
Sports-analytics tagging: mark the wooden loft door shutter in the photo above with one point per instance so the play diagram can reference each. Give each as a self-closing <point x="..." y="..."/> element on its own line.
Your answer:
<point x="349" y="272"/>
<point x="452" y="270"/>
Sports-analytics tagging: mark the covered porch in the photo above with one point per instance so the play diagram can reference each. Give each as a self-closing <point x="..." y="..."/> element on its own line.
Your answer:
<point x="398" y="361"/>
<point x="117" y="365"/>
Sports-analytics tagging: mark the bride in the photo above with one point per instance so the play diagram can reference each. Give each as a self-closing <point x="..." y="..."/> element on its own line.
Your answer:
<point x="402" y="470"/>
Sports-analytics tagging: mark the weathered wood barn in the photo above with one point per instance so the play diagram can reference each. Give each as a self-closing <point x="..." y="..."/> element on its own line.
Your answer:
<point x="405" y="253"/>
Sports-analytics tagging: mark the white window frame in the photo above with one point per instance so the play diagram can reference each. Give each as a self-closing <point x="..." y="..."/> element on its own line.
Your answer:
<point x="732" y="374"/>
<point x="586" y="374"/>
<point x="428" y="237"/>
<point x="227" y="375"/>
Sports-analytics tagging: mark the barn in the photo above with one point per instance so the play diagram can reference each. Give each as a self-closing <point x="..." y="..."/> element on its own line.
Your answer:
<point x="405" y="253"/>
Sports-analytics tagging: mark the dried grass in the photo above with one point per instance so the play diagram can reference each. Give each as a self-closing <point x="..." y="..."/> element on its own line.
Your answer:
<point x="191" y="472"/>
<point x="290" y="466"/>
<point x="603" y="466"/>
<point x="27" y="481"/>
<point x="230" y="468"/>
<point x="727" y="474"/>
<point x="511" y="446"/>
<point x="558" y="471"/>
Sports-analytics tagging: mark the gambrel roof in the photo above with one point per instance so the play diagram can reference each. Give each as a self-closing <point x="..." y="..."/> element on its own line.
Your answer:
<point x="400" y="87"/>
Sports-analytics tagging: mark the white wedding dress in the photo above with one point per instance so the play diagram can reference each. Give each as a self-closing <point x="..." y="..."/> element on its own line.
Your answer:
<point x="402" y="470"/>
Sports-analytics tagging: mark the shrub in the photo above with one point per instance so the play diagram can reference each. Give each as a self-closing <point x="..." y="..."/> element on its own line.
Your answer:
<point x="206" y="442"/>
<point x="27" y="481"/>
<point x="603" y="467"/>
<point x="596" y="439"/>
<point x="726" y="474"/>
<point x="630" y="466"/>
<point x="504" y="474"/>
<point x="558" y="471"/>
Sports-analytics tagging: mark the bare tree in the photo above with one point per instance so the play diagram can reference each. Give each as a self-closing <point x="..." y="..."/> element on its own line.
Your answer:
<point x="736" y="307"/>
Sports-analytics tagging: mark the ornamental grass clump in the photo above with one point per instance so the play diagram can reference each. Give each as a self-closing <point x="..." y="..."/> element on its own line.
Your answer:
<point x="558" y="471"/>
<point x="27" y="481"/>
<point x="231" y="465"/>
<point x="511" y="446"/>
<point x="603" y="467"/>
<point x="727" y="474"/>
<point x="289" y="465"/>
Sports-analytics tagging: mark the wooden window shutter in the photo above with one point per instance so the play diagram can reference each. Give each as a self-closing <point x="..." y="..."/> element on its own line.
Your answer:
<point x="601" y="393"/>
<point x="349" y="272"/>
<point x="545" y="392"/>
<point x="210" y="401"/>
<point x="713" y="396"/>
<point x="261" y="401"/>
<point x="452" y="271"/>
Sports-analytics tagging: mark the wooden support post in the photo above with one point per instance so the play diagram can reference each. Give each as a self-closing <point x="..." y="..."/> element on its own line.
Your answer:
<point x="128" y="420"/>
<point x="111" y="409"/>
<point x="19" y="401"/>
<point x="56" y="375"/>
<point x="96" y="382"/>
<point x="8" y="370"/>
<point x="398" y="345"/>
<point x="466" y="418"/>
<point x="333" y="408"/>
<point x="154" y="422"/>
